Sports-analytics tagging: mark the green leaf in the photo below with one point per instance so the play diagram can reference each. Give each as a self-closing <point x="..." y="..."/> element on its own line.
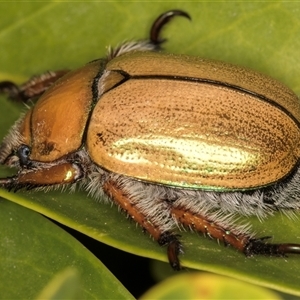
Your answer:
<point x="64" y="285"/>
<point x="40" y="36"/>
<point x="198" y="285"/>
<point x="33" y="250"/>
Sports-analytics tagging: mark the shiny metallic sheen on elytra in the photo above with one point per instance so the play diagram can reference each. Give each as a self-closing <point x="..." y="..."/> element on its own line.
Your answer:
<point x="193" y="123"/>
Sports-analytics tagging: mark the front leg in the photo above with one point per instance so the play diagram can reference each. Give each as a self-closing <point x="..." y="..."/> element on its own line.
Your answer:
<point x="42" y="175"/>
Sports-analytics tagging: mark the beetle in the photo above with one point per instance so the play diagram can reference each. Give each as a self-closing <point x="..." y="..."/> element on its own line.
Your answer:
<point x="171" y="139"/>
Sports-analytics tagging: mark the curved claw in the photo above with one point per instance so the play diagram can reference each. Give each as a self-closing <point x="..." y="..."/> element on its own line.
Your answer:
<point x="161" y="21"/>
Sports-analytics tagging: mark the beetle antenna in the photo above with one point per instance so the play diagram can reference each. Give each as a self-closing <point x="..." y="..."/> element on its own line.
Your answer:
<point x="160" y="22"/>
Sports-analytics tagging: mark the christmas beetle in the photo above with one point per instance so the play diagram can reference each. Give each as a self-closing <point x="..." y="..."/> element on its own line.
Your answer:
<point x="171" y="139"/>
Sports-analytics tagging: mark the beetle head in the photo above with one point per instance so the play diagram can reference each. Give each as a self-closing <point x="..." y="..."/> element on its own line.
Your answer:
<point x="44" y="144"/>
<point x="16" y="153"/>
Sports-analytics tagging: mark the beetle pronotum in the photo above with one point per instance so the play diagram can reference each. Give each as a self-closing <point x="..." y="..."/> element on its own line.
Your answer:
<point x="170" y="139"/>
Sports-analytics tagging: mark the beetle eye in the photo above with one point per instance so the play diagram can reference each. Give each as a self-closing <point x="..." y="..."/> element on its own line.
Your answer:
<point x="23" y="153"/>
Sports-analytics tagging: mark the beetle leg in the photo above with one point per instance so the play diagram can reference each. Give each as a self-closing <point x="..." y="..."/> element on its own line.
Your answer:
<point x="160" y="22"/>
<point x="122" y="199"/>
<point x="174" y="248"/>
<point x="63" y="173"/>
<point x="208" y="227"/>
<point x="243" y="242"/>
<point x="154" y="42"/>
<point x="31" y="89"/>
<point x="260" y="246"/>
